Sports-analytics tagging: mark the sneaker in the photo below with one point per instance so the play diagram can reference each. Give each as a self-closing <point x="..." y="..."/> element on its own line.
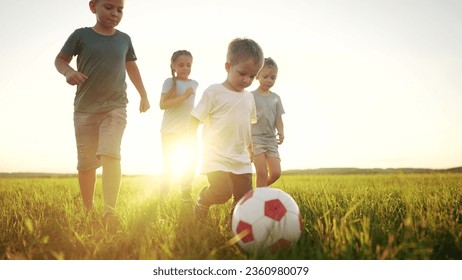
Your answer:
<point x="201" y="212"/>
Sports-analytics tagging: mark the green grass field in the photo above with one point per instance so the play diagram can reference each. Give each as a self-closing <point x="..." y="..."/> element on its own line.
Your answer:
<point x="358" y="217"/>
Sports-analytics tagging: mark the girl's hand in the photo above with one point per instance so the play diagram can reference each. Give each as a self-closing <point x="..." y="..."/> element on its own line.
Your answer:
<point x="280" y="138"/>
<point x="189" y="91"/>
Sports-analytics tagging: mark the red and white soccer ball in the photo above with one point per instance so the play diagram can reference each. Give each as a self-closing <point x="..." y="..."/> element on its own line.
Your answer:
<point x="266" y="218"/>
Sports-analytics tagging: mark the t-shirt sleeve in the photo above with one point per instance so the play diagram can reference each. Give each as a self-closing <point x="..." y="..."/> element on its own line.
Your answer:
<point x="168" y="83"/>
<point x="279" y="107"/>
<point x="131" y="56"/>
<point x="72" y="46"/>
<point x="195" y="85"/>
<point x="202" y="109"/>
<point x="253" y="113"/>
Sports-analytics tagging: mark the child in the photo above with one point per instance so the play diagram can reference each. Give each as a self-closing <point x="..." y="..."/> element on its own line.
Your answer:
<point x="269" y="120"/>
<point x="228" y="110"/>
<point x="177" y="101"/>
<point x="104" y="55"/>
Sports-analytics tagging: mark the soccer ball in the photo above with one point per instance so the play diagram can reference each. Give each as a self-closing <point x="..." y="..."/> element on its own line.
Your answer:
<point x="266" y="219"/>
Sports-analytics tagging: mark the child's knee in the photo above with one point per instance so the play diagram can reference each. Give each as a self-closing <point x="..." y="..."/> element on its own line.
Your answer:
<point x="209" y="196"/>
<point x="105" y="158"/>
<point x="276" y="174"/>
<point x="110" y="162"/>
<point x="262" y="173"/>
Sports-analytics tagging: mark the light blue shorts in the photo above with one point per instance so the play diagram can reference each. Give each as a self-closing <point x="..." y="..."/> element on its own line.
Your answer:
<point x="98" y="134"/>
<point x="269" y="150"/>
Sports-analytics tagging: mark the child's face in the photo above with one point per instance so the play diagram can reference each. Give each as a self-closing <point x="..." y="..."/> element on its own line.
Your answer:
<point x="241" y="75"/>
<point x="108" y="12"/>
<point x="267" y="77"/>
<point x="182" y="67"/>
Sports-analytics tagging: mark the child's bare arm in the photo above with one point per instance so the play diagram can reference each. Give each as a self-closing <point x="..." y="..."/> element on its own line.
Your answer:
<point x="193" y="125"/>
<point x="171" y="93"/>
<point x="280" y="129"/>
<point x="135" y="76"/>
<point x="250" y="151"/>
<point x="171" y="99"/>
<point x="73" y="77"/>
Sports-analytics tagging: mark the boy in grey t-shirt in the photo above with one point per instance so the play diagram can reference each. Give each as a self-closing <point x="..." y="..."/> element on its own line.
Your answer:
<point x="104" y="55"/>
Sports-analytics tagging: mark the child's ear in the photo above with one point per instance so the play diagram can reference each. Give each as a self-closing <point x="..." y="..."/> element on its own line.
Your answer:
<point x="227" y="66"/>
<point x="91" y="4"/>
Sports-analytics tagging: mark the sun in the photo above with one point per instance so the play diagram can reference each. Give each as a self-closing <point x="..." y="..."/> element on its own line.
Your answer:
<point x="183" y="158"/>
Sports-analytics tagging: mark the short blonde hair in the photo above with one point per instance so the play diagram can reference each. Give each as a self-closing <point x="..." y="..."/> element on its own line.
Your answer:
<point x="242" y="49"/>
<point x="269" y="62"/>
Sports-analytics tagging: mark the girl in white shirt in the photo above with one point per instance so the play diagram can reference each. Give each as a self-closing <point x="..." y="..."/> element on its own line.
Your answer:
<point x="177" y="101"/>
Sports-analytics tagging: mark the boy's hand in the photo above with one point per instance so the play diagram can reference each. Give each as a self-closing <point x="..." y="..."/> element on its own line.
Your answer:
<point x="144" y="105"/>
<point x="250" y="152"/>
<point x="75" y="78"/>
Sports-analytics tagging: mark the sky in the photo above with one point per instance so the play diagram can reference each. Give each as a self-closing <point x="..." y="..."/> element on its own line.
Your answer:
<point x="365" y="84"/>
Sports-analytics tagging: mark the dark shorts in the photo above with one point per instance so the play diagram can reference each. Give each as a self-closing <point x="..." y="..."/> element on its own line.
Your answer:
<point x="223" y="186"/>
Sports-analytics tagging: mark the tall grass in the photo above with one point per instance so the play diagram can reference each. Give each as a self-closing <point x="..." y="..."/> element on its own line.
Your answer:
<point x="392" y="216"/>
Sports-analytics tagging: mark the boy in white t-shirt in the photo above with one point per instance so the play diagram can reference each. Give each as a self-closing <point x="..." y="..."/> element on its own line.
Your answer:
<point x="228" y="111"/>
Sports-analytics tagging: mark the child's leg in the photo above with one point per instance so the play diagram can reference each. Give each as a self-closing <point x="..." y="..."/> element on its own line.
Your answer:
<point x="86" y="135"/>
<point x="87" y="181"/>
<point x="242" y="184"/>
<point x="186" y="188"/>
<point x="261" y="170"/>
<point x="219" y="191"/>
<point x="274" y="168"/>
<point x="111" y="130"/>
<point x="111" y="178"/>
<point x="189" y="168"/>
<point x="167" y="157"/>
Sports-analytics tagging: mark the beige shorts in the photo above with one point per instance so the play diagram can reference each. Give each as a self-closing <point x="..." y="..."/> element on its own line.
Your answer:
<point x="98" y="134"/>
<point x="269" y="150"/>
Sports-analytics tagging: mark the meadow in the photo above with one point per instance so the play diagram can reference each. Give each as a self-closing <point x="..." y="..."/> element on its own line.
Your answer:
<point x="345" y="217"/>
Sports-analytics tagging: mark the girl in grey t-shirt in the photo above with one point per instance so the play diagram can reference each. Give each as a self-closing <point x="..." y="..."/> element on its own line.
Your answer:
<point x="268" y="132"/>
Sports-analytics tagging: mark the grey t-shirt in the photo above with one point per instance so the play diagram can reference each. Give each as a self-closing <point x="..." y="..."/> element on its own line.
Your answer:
<point x="268" y="108"/>
<point x="102" y="58"/>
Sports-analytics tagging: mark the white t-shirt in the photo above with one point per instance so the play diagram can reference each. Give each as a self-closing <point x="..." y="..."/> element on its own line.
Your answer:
<point x="176" y="119"/>
<point x="227" y="116"/>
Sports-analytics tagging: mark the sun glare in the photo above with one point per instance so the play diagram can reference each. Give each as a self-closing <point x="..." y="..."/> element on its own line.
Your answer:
<point x="184" y="159"/>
